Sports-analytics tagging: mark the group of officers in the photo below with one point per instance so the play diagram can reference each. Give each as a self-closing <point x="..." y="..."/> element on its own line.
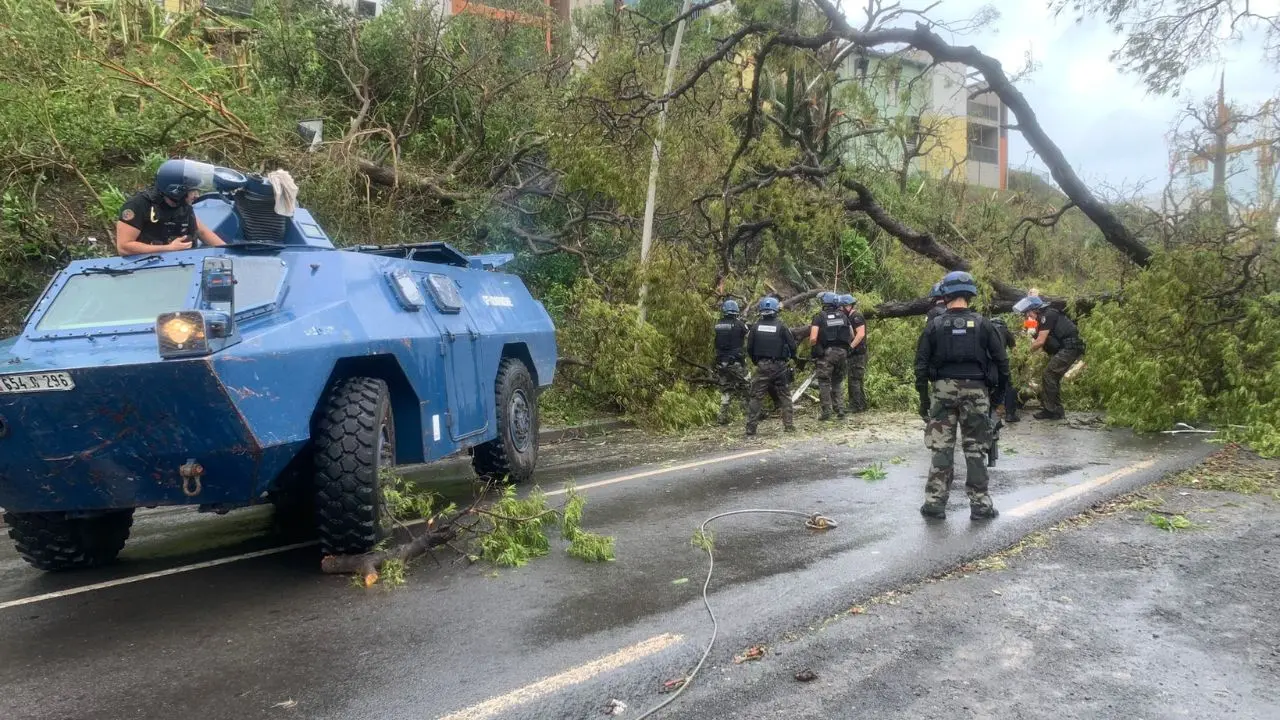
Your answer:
<point x="961" y="373"/>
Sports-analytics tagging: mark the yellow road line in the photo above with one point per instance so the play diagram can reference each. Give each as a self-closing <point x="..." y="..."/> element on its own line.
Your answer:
<point x="568" y="678"/>
<point x="1078" y="489"/>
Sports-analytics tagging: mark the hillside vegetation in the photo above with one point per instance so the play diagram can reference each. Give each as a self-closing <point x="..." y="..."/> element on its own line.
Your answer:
<point x="467" y="130"/>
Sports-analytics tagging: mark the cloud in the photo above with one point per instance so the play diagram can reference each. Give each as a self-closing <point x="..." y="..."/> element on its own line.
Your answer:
<point x="1106" y="123"/>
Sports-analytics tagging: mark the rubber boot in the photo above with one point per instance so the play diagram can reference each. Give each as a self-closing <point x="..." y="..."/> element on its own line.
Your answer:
<point x="983" y="512"/>
<point x="931" y="510"/>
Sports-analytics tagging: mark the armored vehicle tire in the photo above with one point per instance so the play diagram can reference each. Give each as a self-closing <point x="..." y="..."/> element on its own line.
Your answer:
<point x="52" y="541"/>
<point x="354" y="439"/>
<point x="513" y="454"/>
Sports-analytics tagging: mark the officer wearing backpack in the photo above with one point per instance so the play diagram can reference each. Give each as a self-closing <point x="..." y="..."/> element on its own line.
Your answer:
<point x="961" y="358"/>
<point x="770" y="346"/>
<point x="731" y="356"/>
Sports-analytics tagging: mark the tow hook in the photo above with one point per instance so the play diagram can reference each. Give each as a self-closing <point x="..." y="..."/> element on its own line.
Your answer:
<point x="191" y="473"/>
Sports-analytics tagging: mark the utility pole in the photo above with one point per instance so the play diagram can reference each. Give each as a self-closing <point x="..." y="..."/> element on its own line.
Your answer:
<point x="646" y="235"/>
<point x="1221" y="132"/>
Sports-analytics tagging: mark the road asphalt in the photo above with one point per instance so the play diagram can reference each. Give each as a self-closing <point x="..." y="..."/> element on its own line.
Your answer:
<point x="270" y="636"/>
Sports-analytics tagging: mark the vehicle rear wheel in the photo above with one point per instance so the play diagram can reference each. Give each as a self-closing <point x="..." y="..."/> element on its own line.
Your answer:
<point x="354" y="447"/>
<point x="513" y="454"/>
<point x="52" y="541"/>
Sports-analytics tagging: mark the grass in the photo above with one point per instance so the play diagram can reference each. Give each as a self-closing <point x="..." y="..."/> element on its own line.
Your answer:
<point x="874" y="473"/>
<point x="1170" y="522"/>
<point x="1232" y="469"/>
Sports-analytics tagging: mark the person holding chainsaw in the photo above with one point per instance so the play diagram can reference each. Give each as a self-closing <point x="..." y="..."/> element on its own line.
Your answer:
<point x="959" y="357"/>
<point x="1059" y="337"/>
<point x="731" y="366"/>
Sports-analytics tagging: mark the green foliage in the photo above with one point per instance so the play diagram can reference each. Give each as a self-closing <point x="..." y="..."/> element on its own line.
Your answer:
<point x="704" y="539"/>
<point x="518" y="530"/>
<point x="891" y="348"/>
<point x="405" y="500"/>
<point x="1174" y="353"/>
<point x="1169" y="522"/>
<point x="391" y="573"/>
<point x="873" y="473"/>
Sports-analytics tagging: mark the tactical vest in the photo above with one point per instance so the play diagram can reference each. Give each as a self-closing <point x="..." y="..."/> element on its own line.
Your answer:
<point x="768" y="342"/>
<point x="1064" y="334"/>
<point x="835" y="331"/>
<point x="730" y="333"/>
<point x="958" y="351"/>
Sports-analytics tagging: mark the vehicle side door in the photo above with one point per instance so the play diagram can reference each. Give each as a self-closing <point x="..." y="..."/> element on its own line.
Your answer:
<point x="468" y="393"/>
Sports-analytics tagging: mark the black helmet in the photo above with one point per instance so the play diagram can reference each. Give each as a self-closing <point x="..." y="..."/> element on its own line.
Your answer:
<point x="176" y="178"/>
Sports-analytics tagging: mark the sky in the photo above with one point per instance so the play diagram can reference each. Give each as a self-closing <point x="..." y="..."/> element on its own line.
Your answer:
<point x="1106" y="123"/>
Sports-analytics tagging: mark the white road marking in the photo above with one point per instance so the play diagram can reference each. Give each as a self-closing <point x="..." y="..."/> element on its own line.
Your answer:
<point x="660" y="471"/>
<point x="151" y="575"/>
<point x="286" y="548"/>
<point x="1078" y="489"/>
<point x="570" y="677"/>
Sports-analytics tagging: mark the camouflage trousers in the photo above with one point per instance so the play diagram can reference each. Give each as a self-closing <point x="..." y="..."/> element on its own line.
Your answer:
<point x="857" y="371"/>
<point x="1058" y="366"/>
<point x="958" y="405"/>
<point x="830" y="373"/>
<point x="731" y="378"/>
<point x="770" y="379"/>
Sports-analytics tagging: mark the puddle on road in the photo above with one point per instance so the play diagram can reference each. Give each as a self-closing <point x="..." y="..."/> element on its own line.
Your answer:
<point x="741" y="559"/>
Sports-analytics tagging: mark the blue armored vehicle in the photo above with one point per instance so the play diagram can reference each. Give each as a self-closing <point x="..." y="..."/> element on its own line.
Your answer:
<point x="276" y="369"/>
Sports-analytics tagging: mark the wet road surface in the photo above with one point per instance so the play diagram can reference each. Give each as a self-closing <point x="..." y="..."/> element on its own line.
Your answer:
<point x="270" y="636"/>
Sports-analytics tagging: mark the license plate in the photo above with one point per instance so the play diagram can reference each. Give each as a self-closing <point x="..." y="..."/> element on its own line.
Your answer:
<point x="36" y="382"/>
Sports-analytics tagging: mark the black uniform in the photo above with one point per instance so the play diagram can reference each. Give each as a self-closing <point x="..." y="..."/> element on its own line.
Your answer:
<point x="770" y="345"/>
<point x="731" y="367"/>
<point x="934" y="312"/>
<point x="1064" y="347"/>
<point x="832" y="354"/>
<point x="1008" y="395"/>
<point x="158" y="222"/>
<point x="857" y="365"/>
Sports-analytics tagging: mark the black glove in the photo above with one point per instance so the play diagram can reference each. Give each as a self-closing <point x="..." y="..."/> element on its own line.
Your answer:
<point x="922" y="389"/>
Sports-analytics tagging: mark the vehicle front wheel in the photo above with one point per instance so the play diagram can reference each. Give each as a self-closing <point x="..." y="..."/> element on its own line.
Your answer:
<point x="513" y="454"/>
<point x="355" y="444"/>
<point x="52" y="541"/>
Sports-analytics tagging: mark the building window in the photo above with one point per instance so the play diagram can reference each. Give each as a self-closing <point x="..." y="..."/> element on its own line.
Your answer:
<point x="984" y="111"/>
<point x="984" y="143"/>
<point x="914" y="137"/>
<point x="366" y="8"/>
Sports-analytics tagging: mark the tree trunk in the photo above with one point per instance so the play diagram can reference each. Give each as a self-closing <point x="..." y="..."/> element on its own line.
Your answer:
<point x="922" y="38"/>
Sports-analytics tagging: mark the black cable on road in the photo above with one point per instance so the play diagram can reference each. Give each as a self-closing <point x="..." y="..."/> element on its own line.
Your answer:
<point x="813" y="521"/>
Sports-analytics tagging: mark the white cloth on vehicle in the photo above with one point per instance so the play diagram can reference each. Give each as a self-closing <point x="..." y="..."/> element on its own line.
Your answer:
<point x="286" y="191"/>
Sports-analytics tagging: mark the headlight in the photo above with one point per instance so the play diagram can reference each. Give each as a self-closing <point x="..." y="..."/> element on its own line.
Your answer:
<point x="182" y="334"/>
<point x="178" y="330"/>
